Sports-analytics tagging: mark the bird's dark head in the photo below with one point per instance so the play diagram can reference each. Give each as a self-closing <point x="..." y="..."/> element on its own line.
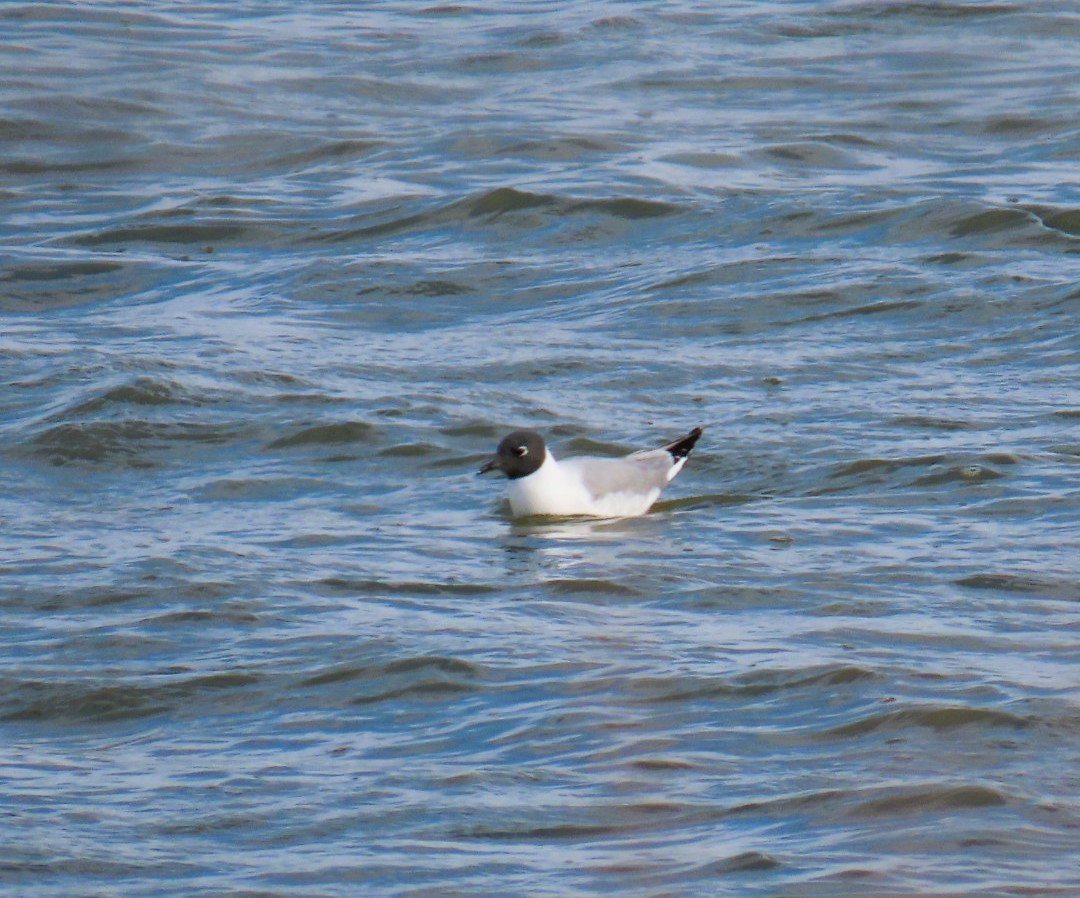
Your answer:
<point x="519" y="454"/>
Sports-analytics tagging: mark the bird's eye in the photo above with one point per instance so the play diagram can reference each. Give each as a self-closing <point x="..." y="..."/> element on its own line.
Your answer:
<point x="521" y="451"/>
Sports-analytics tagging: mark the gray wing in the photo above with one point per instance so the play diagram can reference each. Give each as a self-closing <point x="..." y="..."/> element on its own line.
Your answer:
<point x="637" y="473"/>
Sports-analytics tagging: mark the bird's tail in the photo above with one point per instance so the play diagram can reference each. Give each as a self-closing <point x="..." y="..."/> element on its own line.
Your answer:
<point x="682" y="446"/>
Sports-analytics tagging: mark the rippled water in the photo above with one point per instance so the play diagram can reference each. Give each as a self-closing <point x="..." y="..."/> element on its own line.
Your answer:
<point x="275" y="278"/>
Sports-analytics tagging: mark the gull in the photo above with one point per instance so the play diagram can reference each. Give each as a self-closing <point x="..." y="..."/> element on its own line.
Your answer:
<point x="585" y="485"/>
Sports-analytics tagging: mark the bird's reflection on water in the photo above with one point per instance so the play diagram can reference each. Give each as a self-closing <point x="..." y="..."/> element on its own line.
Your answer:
<point x="577" y="545"/>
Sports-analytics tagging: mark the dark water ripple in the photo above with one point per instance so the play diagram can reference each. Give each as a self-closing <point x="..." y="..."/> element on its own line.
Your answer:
<point x="273" y="280"/>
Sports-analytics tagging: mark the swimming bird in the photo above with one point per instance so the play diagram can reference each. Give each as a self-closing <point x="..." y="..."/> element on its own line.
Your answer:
<point x="585" y="485"/>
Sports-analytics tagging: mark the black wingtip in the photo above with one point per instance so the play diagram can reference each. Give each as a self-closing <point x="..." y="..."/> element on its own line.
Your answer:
<point x="682" y="446"/>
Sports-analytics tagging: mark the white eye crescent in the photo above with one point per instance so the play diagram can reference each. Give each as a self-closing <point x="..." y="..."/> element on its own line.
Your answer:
<point x="521" y="451"/>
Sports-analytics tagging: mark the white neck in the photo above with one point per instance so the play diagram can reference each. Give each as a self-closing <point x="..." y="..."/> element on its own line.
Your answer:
<point x="547" y="490"/>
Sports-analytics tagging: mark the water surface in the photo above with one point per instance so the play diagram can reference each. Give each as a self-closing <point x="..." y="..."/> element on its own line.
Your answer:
<point x="274" y="279"/>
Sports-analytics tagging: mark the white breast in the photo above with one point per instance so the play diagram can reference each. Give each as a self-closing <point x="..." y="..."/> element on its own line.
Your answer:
<point x="549" y="490"/>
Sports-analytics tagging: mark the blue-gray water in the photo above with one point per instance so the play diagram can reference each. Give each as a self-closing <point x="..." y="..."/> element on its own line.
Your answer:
<point x="275" y="277"/>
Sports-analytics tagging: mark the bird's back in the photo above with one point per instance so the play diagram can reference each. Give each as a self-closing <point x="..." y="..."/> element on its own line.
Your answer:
<point x="641" y="472"/>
